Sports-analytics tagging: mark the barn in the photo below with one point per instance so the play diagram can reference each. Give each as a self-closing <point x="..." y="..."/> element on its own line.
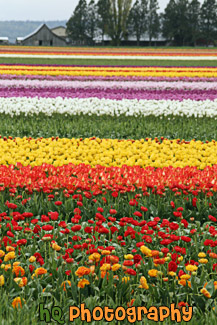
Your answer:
<point x="42" y="36"/>
<point x="4" y="41"/>
<point x="60" y="31"/>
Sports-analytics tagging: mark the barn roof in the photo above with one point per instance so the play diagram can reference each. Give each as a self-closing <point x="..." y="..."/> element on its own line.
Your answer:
<point x="58" y="27"/>
<point x="36" y="31"/>
<point x="31" y="34"/>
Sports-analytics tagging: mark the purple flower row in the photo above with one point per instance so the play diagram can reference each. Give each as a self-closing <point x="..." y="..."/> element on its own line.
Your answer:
<point x="106" y="84"/>
<point x="117" y="94"/>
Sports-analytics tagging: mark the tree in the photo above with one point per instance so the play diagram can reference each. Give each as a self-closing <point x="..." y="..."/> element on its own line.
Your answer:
<point x="91" y="21"/>
<point x="194" y="21"/>
<point x="209" y="20"/>
<point x="137" y="22"/>
<point x="77" y="24"/>
<point x="175" y="22"/>
<point x="182" y="34"/>
<point x="103" y="8"/>
<point x="169" y="21"/>
<point x="118" y="17"/>
<point x="153" y="22"/>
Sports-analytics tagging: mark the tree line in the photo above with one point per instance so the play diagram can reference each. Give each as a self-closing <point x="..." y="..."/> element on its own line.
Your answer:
<point x="183" y="22"/>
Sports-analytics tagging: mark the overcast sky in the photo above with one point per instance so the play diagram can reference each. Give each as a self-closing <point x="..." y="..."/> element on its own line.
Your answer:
<point x="42" y="9"/>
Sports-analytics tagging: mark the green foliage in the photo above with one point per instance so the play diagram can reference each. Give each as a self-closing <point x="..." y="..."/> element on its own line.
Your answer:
<point x="194" y="22"/>
<point x="137" y="21"/>
<point x="109" y="127"/>
<point x="175" y="21"/>
<point x="77" y="24"/>
<point x="209" y="20"/>
<point x="169" y="20"/>
<point x="111" y="62"/>
<point x="118" y="15"/>
<point x="184" y="21"/>
<point x="153" y="23"/>
<point x="91" y="21"/>
<point x="103" y="16"/>
<point x="105" y="292"/>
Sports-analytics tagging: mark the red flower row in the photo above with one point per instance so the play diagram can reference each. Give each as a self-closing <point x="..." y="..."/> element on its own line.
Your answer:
<point x="117" y="179"/>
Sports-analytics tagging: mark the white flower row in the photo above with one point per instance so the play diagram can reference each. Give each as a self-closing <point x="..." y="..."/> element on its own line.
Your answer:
<point x="111" y="57"/>
<point x="89" y="106"/>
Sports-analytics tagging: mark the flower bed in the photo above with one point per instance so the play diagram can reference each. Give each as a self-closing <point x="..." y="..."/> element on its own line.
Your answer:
<point x="100" y="233"/>
<point x="108" y="152"/>
<point x="125" y="221"/>
<point x="96" y="106"/>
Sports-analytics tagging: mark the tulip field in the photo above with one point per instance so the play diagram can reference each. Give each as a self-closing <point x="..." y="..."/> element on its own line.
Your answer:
<point x="108" y="182"/>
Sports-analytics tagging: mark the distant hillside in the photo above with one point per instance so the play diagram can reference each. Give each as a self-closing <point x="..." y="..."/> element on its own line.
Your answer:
<point x="13" y="29"/>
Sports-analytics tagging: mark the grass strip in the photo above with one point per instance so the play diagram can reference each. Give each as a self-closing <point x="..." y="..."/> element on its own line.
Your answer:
<point x="110" y="62"/>
<point x="121" y="127"/>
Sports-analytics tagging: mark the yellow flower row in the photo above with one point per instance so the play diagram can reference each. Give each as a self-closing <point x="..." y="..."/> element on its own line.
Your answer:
<point x="107" y="152"/>
<point x="111" y="71"/>
<point x="107" y="68"/>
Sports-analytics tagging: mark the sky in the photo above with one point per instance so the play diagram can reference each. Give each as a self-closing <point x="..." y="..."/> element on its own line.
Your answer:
<point x="42" y="9"/>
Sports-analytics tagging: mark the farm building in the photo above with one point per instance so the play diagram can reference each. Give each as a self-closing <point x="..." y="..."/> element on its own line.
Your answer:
<point x="60" y="31"/>
<point x="132" y="41"/>
<point x="42" y="36"/>
<point x="4" y="40"/>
